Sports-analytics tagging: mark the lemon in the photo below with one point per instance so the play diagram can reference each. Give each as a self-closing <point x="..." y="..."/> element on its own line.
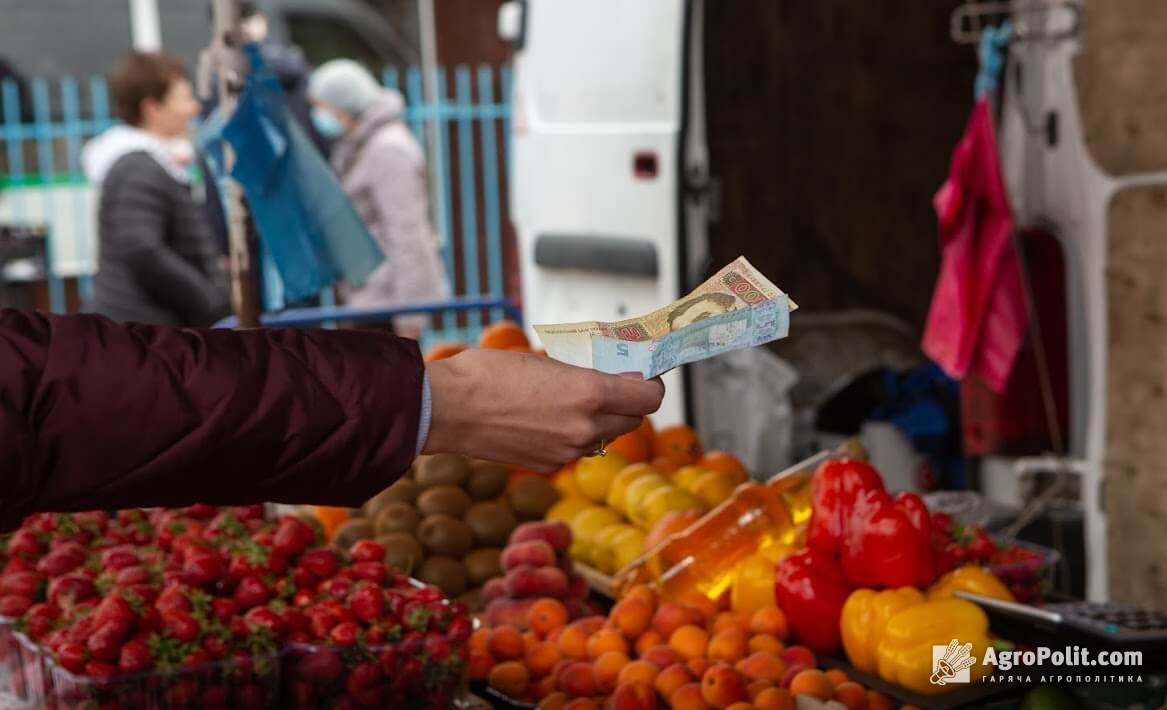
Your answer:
<point x="664" y="500"/>
<point x="594" y="474"/>
<point x="627" y="546"/>
<point x="639" y="490"/>
<point x="713" y="488"/>
<point x="684" y="477"/>
<point x="585" y="526"/>
<point x="567" y="508"/>
<point x="624" y="479"/>
<point x="603" y="554"/>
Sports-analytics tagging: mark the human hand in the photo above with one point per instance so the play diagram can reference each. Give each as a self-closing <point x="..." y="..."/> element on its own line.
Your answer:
<point x="529" y="410"/>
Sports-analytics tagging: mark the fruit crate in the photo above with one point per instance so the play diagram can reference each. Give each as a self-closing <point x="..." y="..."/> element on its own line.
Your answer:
<point x="389" y="675"/>
<point x="1030" y="579"/>
<point x="243" y="682"/>
<point x="24" y="667"/>
<point x="7" y="628"/>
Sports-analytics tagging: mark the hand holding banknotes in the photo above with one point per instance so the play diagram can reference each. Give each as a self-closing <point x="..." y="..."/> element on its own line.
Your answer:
<point x="527" y="409"/>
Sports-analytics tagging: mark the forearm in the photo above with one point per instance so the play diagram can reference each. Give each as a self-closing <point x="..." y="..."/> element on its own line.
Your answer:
<point x="96" y="415"/>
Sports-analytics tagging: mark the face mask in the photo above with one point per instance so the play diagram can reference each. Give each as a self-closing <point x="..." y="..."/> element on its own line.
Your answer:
<point x="326" y="123"/>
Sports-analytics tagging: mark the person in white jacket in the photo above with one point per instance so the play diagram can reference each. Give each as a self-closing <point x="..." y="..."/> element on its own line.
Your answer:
<point x="382" y="169"/>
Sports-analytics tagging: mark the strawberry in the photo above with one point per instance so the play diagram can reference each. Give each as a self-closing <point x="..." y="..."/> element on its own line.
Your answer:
<point x="114" y="610"/>
<point x="215" y="646"/>
<point x="367" y="551"/>
<point x="409" y="674"/>
<point x="250" y="512"/>
<point x="252" y="591"/>
<point x="302" y="599"/>
<point x="416" y="615"/>
<point x="261" y="617"/>
<point x="300" y="637"/>
<point x="181" y="692"/>
<point x="200" y="511"/>
<point x="374" y="636"/>
<point x="345" y="634"/>
<point x="25" y="583"/>
<point x="412" y="643"/>
<point x="251" y="559"/>
<point x="223" y="609"/>
<point x="201" y="568"/>
<point x="364" y="676"/>
<point x="388" y="659"/>
<point x="437" y="647"/>
<point x="104" y="643"/>
<point x="135" y="658"/>
<point x="119" y="557"/>
<point x="181" y="626"/>
<point x="56" y="564"/>
<point x="338" y="588"/>
<point x="301" y="694"/>
<point x="72" y="657"/>
<point x="321" y="665"/>
<point x="70" y="589"/>
<point x="459" y="629"/>
<point x="214" y="696"/>
<point x="372" y="571"/>
<point x="131" y="575"/>
<point x="173" y="598"/>
<point x="25" y="542"/>
<point x="100" y="671"/>
<point x="250" y="696"/>
<point x="196" y="658"/>
<point x="293" y="619"/>
<point x="321" y="562"/>
<point x="366" y="602"/>
<point x="150" y="620"/>
<point x="321" y="621"/>
<point x="14" y="605"/>
<point x="292" y="537"/>
<point x="303" y="579"/>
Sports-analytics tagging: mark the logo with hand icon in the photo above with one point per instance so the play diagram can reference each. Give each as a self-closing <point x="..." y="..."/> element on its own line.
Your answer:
<point x="950" y="663"/>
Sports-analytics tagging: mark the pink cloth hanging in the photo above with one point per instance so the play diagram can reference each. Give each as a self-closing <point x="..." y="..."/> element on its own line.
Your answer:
<point x="977" y="319"/>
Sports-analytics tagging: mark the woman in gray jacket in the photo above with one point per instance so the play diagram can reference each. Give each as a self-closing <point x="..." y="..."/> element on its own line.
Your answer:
<point x="382" y="169"/>
<point x="157" y="261"/>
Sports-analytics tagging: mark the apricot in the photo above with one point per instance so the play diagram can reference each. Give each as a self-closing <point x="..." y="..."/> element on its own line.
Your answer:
<point x="644" y="593"/>
<point x="770" y="620"/>
<point x="703" y="604"/>
<point x="672" y="678"/>
<point x="582" y="704"/>
<point x="633" y="696"/>
<point x="762" y="666"/>
<point x="506" y="643"/>
<point x="607" y="669"/>
<point x="480" y="664"/>
<point x="836" y="675"/>
<point x="577" y="680"/>
<point x="649" y="639"/>
<point x="589" y="624"/>
<point x="688" y="697"/>
<point x="698" y="666"/>
<point x="799" y="655"/>
<point x="812" y="682"/>
<point x="572" y="643"/>
<point x="722" y="686"/>
<point x="632" y="617"/>
<point x="756" y="687"/>
<point x="638" y="672"/>
<point x="767" y="643"/>
<point x="661" y="656"/>
<point x="728" y="646"/>
<point x="690" y="641"/>
<point x="728" y="620"/>
<point x="878" y="701"/>
<point x="542" y="658"/>
<point x="671" y="616"/>
<point x="509" y="678"/>
<point x="851" y="694"/>
<point x="554" y="701"/>
<point x="539" y="689"/>
<point x="774" y="699"/>
<point x="545" y="615"/>
<point x="606" y="640"/>
<point x="480" y="640"/>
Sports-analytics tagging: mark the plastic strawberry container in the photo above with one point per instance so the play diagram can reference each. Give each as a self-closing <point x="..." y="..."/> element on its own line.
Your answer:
<point x="25" y="668"/>
<point x="246" y="683"/>
<point x="1031" y="578"/>
<point x="388" y="675"/>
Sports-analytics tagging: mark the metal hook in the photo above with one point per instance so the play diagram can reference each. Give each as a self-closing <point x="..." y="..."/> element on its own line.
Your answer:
<point x="962" y="29"/>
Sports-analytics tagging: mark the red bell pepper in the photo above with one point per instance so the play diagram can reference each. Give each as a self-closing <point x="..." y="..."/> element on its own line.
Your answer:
<point x="834" y="488"/>
<point x="888" y="541"/>
<point x="810" y="588"/>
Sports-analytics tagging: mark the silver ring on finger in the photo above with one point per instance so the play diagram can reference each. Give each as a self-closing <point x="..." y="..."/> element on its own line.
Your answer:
<point x="602" y="450"/>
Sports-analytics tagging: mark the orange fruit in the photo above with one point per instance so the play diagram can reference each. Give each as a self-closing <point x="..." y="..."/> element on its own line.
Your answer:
<point x="502" y="335"/>
<point x="606" y="640"/>
<point x="722" y="686"/>
<point x="678" y="443"/>
<point x="507" y="643"/>
<point x="631" y="616"/>
<point x="812" y="682"/>
<point x="774" y="699"/>
<point x="851" y="694"/>
<point x="545" y="615"/>
<point x="607" y="669"/>
<point x="688" y="697"/>
<point x="638" y="672"/>
<point x="443" y="351"/>
<point x="648" y="639"/>
<point x="724" y="463"/>
<point x="672" y="678"/>
<point x="690" y="641"/>
<point x="330" y="518"/>
<point x="837" y="676"/>
<point x="728" y="646"/>
<point x="636" y="445"/>
<point x="510" y="678"/>
<point x="541" y="659"/>
<point x="770" y="620"/>
<point x="767" y="643"/>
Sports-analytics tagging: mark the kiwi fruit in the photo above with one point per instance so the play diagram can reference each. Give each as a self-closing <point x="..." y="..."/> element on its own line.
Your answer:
<point x="402" y="551"/>
<point x="531" y="497"/>
<point x="447" y="500"/>
<point x="350" y="531"/>
<point x="482" y="565"/>
<point x="487" y="480"/>
<point x="396" y="516"/>
<point x="403" y="490"/>
<point x="491" y="522"/>
<point x="445" y="536"/>
<point x="442" y="470"/>
<point x="445" y="573"/>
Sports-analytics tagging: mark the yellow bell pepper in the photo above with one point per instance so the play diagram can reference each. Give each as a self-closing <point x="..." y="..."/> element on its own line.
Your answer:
<point x="865" y="614"/>
<point x="905" y="648"/>
<point x="970" y="578"/>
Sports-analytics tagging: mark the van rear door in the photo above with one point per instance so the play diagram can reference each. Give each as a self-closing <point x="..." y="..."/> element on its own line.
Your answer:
<point x="599" y="109"/>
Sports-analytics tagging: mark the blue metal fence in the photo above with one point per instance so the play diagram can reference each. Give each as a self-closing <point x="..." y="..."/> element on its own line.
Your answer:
<point x="41" y="181"/>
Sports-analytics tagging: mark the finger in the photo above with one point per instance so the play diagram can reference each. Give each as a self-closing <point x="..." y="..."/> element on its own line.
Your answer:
<point x="631" y="397"/>
<point x="611" y="426"/>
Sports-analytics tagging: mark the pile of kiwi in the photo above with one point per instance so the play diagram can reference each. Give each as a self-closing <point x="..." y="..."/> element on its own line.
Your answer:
<point x="446" y="521"/>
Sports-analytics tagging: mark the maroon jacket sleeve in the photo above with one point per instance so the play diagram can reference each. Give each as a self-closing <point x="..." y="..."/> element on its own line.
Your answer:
<point x="95" y="415"/>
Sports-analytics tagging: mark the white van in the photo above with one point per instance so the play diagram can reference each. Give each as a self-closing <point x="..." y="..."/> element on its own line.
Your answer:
<point x="609" y="165"/>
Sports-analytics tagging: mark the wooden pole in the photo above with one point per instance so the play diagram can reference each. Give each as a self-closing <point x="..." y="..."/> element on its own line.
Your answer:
<point x="244" y="276"/>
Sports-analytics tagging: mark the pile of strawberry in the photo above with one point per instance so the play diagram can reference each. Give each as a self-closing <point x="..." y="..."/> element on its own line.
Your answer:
<point x="194" y="607"/>
<point x="956" y="544"/>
